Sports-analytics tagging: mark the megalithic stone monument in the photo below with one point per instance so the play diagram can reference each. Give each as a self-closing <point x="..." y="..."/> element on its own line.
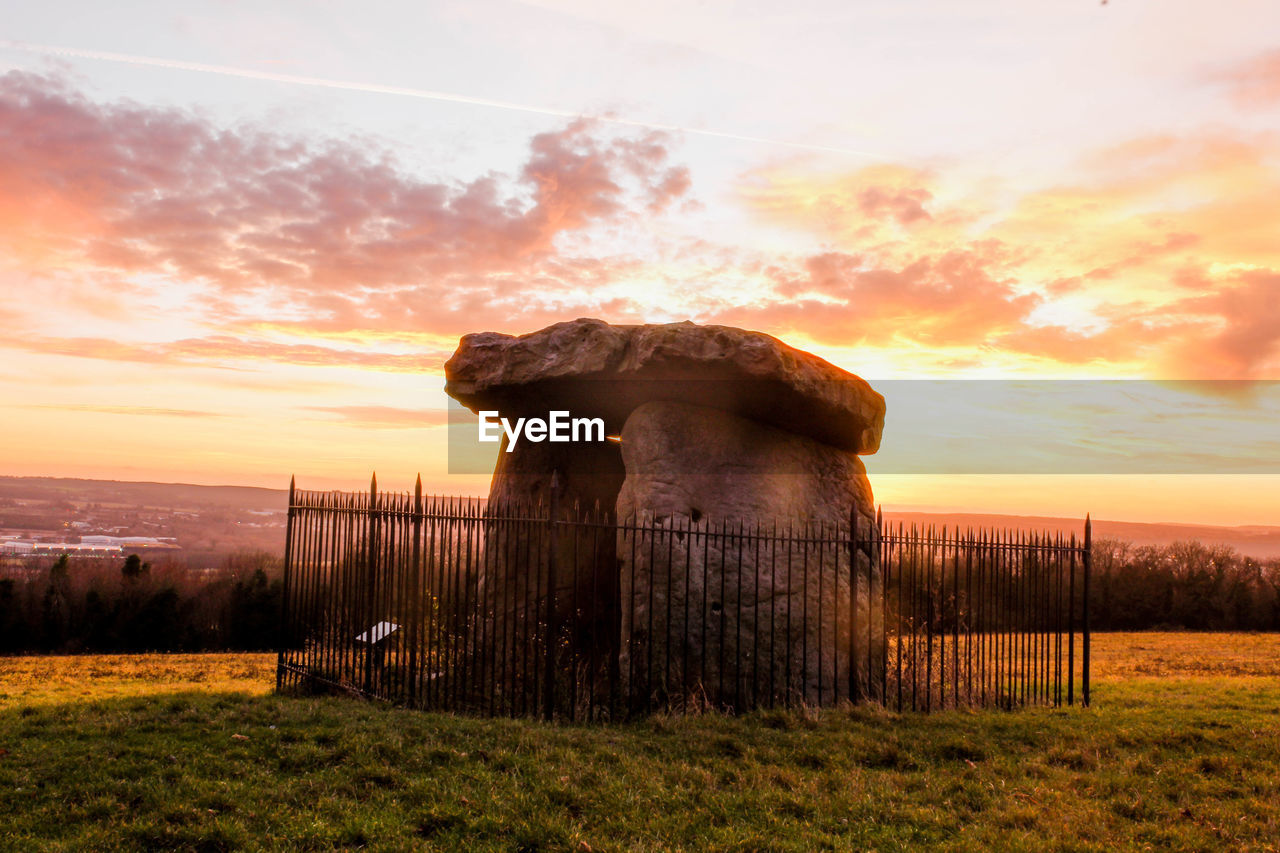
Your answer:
<point x="713" y="424"/>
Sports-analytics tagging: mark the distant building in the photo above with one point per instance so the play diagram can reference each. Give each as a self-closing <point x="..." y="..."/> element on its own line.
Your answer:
<point x="57" y="549"/>
<point x="130" y="542"/>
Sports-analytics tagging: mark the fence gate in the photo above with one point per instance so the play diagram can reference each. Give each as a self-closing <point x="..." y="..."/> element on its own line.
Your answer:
<point x="458" y="605"/>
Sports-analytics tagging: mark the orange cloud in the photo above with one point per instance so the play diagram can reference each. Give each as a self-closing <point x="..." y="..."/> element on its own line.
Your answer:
<point x="936" y="300"/>
<point x="876" y="203"/>
<point x="386" y="417"/>
<point x="129" y="410"/>
<point x="904" y="205"/>
<point x="1156" y="258"/>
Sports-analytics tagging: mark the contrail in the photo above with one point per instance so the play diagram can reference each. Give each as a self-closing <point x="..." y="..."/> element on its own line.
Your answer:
<point x="425" y="94"/>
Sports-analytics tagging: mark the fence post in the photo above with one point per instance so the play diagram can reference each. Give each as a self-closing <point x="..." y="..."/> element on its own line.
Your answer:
<point x="878" y="569"/>
<point x="1088" y="554"/>
<point x="282" y="634"/>
<point x="855" y="546"/>
<point x="552" y="629"/>
<point x="415" y="590"/>
<point x="371" y="565"/>
<point x="1071" y="625"/>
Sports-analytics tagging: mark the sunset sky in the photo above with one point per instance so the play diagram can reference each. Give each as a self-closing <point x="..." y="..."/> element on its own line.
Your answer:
<point x="239" y="240"/>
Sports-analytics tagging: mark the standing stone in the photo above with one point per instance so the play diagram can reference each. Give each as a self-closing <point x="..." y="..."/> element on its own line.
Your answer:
<point x="722" y="618"/>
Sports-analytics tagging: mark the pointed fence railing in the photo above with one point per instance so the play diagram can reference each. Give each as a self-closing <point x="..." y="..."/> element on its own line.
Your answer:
<point x="557" y="611"/>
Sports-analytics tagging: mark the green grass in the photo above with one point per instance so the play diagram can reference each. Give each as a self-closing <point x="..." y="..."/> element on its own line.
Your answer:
<point x="196" y="753"/>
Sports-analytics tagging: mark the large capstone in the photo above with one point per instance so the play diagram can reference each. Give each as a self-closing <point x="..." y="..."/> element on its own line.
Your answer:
<point x="593" y="369"/>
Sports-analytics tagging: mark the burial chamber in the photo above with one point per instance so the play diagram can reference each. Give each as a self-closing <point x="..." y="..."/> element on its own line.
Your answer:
<point x="709" y="425"/>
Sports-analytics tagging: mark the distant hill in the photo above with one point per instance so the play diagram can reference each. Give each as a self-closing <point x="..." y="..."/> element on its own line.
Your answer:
<point x="178" y="496"/>
<point x="1259" y="541"/>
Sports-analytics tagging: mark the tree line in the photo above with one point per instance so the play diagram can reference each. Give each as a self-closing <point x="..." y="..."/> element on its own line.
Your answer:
<point x="1184" y="586"/>
<point x="94" y="605"/>
<point x="90" y="605"/>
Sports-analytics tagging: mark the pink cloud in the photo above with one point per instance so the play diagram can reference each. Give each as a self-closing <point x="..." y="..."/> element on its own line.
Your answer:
<point x="333" y="236"/>
<point x="1256" y="82"/>
<point x="335" y="229"/>
<point x="226" y="351"/>
<point x="1246" y="341"/>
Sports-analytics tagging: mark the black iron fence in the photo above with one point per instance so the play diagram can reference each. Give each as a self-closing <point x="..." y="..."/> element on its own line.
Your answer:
<point x="567" y="612"/>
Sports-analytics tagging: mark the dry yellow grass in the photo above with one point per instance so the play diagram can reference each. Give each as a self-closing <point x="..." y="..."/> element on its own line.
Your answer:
<point x="67" y="678"/>
<point x="1116" y="656"/>
<point x="1184" y="655"/>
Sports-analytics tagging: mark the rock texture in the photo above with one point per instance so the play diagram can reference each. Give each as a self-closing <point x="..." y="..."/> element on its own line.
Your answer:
<point x="593" y="369"/>
<point x="702" y="612"/>
<point x="688" y="460"/>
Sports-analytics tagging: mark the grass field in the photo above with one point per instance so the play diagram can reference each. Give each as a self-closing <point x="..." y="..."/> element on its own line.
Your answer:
<point x="1181" y="751"/>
